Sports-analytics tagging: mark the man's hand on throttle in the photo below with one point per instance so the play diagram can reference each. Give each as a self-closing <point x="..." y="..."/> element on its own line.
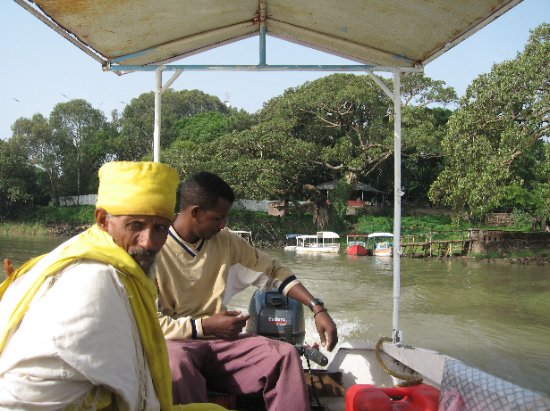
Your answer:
<point x="227" y="324"/>
<point x="326" y="329"/>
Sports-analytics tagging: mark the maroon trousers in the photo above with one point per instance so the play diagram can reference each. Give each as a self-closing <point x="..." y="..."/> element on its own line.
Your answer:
<point x="247" y="365"/>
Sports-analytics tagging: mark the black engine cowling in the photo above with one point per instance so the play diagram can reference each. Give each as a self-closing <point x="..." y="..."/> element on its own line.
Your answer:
<point x="276" y="316"/>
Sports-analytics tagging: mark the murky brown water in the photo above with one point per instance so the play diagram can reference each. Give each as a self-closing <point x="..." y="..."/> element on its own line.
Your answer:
<point x="492" y="316"/>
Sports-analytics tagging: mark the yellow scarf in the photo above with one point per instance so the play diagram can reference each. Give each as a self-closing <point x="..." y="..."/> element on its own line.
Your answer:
<point x="96" y="244"/>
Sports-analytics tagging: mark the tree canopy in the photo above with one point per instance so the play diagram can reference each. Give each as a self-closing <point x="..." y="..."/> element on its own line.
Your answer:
<point x="18" y="179"/>
<point x="497" y="146"/>
<point x="490" y="154"/>
<point x="135" y="140"/>
<point x="79" y="129"/>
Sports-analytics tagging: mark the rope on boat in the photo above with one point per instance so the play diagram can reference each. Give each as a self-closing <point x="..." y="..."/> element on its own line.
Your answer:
<point x="409" y="379"/>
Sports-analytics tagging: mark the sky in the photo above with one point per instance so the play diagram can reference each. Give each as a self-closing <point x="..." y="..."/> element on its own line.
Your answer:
<point x="40" y="69"/>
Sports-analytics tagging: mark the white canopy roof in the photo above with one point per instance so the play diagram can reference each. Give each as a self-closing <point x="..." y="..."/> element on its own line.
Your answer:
<point x="392" y="33"/>
<point x="380" y="235"/>
<point x="327" y="234"/>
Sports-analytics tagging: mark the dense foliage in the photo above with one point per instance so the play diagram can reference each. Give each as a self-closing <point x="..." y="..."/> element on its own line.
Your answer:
<point x="490" y="154"/>
<point x="497" y="149"/>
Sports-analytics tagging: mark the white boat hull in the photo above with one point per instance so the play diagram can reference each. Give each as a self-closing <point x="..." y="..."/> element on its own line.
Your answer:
<point x="383" y="252"/>
<point x="326" y="249"/>
<point x="459" y="384"/>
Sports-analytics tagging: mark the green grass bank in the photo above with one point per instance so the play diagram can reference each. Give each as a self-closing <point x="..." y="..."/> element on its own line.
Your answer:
<point x="267" y="230"/>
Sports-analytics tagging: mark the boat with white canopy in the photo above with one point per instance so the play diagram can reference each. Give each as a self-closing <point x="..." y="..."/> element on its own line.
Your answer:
<point x="321" y="242"/>
<point x="380" y="244"/>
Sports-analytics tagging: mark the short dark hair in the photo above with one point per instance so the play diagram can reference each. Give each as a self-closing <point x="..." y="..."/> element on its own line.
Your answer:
<point x="205" y="189"/>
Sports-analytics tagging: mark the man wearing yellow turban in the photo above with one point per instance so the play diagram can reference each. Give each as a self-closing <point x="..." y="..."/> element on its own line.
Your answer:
<point x="78" y="326"/>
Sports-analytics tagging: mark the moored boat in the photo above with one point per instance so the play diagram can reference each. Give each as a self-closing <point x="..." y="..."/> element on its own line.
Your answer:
<point x="380" y="244"/>
<point x="291" y="242"/>
<point x="321" y="242"/>
<point x="356" y="244"/>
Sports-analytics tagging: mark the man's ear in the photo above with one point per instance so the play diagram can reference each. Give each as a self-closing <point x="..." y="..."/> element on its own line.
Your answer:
<point x="195" y="211"/>
<point x="101" y="218"/>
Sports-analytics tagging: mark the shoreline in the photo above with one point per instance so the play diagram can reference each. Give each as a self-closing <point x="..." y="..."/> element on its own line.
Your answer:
<point x="533" y="260"/>
<point x="68" y="230"/>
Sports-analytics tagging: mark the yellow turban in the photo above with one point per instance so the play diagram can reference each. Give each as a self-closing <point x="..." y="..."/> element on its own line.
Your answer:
<point x="137" y="188"/>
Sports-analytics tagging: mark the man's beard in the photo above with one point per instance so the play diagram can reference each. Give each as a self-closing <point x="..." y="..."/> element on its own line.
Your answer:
<point x="143" y="258"/>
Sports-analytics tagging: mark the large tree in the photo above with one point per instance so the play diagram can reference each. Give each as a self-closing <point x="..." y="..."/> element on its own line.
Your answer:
<point x="496" y="141"/>
<point x="41" y="148"/>
<point x="17" y="178"/>
<point x="350" y="121"/>
<point x="345" y="116"/>
<point x="135" y="140"/>
<point x="338" y="126"/>
<point x="82" y="129"/>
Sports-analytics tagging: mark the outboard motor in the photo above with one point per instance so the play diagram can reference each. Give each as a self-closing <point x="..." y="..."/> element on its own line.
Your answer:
<point x="279" y="317"/>
<point x="276" y="316"/>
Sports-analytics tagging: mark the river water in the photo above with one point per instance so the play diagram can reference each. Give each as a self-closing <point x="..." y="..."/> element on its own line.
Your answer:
<point x="493" y="316"/>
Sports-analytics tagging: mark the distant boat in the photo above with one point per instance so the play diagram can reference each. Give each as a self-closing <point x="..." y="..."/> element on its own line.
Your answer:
<point x="322" y="242"/>
<point x="356" y="244"/>
<point x="290" y="243"/>
<point x="380" y="244"/>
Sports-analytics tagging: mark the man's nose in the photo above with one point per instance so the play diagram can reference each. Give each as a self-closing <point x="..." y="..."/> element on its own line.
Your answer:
<point x="146" y="240"/>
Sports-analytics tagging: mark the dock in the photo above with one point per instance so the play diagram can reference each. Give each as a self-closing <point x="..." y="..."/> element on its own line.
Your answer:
<point x="429" y="246"/>
<point x="436" y="248"/>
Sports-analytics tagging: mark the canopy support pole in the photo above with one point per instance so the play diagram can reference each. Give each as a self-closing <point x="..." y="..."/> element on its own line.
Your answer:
<point x="263" y="32"/>
<point x="397" y="194"/>
<point x="156" y="130"/>
<point x="395" y="96"/>
<point x="159" y="89"/>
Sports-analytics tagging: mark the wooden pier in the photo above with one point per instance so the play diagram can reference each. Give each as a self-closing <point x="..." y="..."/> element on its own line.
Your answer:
<point x="436" y="248"/>
<point x="428" y="246"/>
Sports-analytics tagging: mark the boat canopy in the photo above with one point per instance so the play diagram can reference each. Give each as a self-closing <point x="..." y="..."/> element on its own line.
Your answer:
<point x="391" y="33"/>
<point x="289" y="236"/>
<point x="327" y="234"/>
<point x="380" y="235"/>
<point x="310" y="236"/>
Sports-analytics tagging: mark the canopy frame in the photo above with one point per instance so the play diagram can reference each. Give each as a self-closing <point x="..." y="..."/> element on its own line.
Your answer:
<point x="394" y="95"/>
<point x="81" y="25"/>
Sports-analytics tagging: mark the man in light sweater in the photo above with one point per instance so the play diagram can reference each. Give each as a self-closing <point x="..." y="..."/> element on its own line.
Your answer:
<point x="205" y="346"/>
